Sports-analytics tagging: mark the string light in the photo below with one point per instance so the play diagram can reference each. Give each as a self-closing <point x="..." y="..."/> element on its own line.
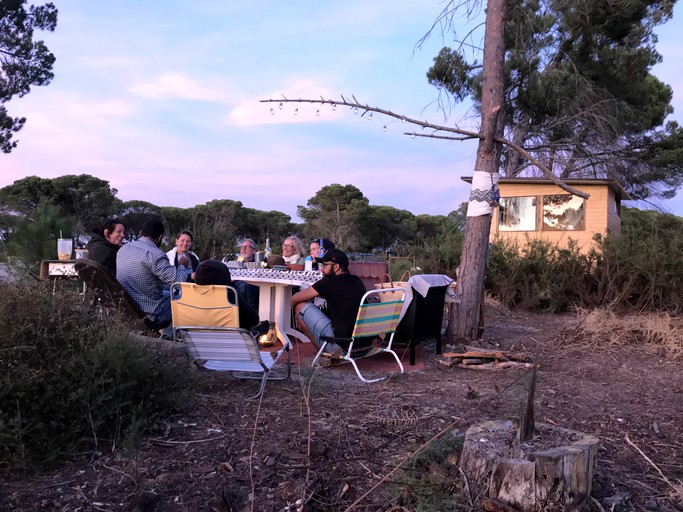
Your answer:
<point x="370" y="116"/>
<point x="317" y="112"/>
<point x="355" y="110"/>
<point x="334" y="107"/>
<point x="280" y="106"/>
<point x="384" y="128"/>
<point x="296" y="111"/>
<point x="272" y="111"/>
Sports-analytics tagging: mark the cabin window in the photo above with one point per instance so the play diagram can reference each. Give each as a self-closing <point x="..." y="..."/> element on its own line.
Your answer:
<point x="559" y="212"/>
<point x="517" y="214"/>
<point x="564" y="212"/>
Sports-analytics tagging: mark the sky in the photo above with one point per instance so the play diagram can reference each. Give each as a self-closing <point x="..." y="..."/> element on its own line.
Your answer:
<point x="162" y="99"/>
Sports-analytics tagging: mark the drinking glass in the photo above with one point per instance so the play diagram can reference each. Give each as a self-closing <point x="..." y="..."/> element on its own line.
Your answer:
<point x="64" y="247"/>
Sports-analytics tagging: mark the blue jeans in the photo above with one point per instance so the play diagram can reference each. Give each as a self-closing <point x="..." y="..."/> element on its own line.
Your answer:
<point x="319" y="324"/>
<point x="163" y="318"/>
<point x="250" y="292"/>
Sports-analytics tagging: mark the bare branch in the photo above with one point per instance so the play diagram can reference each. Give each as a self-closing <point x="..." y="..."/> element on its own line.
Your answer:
<point x="466" y="134"/>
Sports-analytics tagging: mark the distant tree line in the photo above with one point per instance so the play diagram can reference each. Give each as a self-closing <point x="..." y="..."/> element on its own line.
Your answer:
<point x="33" y="212"/>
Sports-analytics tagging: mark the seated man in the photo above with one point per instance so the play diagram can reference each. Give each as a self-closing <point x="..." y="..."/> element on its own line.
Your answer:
<point x="143" y="270"/>
<point x="214" y="272"/>
<point x="343" y="293"/>
<point x="250" y="292"/>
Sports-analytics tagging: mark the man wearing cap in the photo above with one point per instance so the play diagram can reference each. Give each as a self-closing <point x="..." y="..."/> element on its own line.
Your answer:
<point x="343" y="293"/>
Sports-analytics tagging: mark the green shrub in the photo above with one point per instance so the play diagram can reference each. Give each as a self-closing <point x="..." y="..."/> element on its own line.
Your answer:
<point x="641" y="270"/>
<point x="427" y="482"/>
<point x="71" y="380"/>
<point x="538" y="275"/>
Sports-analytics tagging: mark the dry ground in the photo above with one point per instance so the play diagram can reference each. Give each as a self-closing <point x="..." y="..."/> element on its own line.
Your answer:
<point x="227" y="447"/>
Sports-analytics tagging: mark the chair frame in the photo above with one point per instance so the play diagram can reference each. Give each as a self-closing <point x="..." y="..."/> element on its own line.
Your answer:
<point x="110" y="293"/>
<point x="230" y="348"/>
<point x="362" y="331"/>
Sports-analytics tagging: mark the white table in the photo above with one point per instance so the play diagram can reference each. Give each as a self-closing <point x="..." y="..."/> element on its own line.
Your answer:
<point x="275" y="294"/>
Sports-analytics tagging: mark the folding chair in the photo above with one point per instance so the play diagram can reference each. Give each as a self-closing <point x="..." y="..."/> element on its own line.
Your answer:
<point x="374" y="320"/>
<point x="206" y="319"/>
<point x="110" y="294"/>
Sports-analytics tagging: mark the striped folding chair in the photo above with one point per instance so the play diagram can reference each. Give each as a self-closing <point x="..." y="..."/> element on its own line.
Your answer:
<point x="375" y="320"/>
<point x="206" y="318"/>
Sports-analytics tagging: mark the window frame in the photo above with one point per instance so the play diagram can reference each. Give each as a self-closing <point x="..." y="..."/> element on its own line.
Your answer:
<point x="539" y="218"/>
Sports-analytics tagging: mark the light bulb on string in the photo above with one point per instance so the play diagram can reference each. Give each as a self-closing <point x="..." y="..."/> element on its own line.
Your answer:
<point x="272" y="111"/>
<point x="384" y="128"/>
<point x="413" y="136"/>
<point x="334" y="107"/>
<point x="280" y="106"/>
<point x="403" y="119"/>
<point x="369" y="116"/>
<point x="317" y="112"/>
<point x="296" y="111"/>
<point x="355" y="110"/>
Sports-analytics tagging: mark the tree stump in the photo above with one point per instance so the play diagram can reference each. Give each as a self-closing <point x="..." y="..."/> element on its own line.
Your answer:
<point x="554" y="469"/>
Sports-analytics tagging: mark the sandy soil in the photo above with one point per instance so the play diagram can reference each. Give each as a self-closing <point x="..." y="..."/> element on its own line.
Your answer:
<point x="326" y="437"/>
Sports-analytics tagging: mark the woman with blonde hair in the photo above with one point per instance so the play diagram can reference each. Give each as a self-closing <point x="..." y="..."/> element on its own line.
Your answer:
<point x="293" y="251"/>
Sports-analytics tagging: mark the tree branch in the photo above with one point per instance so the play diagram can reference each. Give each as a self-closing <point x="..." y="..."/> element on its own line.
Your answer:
<point x="466" y="134"/>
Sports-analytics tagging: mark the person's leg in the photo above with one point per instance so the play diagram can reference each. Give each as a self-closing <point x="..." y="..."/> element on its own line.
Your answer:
<point x="164" y="318"/>
<point x="317" y="324"/>
<point x="250" y="293"/>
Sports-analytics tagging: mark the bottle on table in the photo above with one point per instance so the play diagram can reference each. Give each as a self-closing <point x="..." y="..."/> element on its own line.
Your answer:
<point x="267" y="251"/>
<point x="308" y="263"/>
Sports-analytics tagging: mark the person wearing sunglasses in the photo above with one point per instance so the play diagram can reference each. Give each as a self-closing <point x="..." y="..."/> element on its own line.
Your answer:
<point x="341" y="290"/>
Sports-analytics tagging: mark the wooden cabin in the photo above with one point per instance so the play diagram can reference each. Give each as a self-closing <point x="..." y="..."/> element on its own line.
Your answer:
<point x="537" y="208"/>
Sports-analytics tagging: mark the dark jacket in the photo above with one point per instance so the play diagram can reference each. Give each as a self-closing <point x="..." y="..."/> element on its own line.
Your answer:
<point x="103" y="251"/>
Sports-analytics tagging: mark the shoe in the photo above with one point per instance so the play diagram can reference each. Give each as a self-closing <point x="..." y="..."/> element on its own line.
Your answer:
<point x="326" y="359"/>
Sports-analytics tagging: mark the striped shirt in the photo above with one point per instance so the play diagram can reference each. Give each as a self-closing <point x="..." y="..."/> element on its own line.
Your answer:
<point x="143" y="270"/>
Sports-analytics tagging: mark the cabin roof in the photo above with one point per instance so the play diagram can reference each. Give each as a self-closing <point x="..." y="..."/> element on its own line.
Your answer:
<point x="614" y="185"/>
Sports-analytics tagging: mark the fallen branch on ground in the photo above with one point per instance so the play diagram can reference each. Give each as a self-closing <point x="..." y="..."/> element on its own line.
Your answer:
<point x="481" y="359"/>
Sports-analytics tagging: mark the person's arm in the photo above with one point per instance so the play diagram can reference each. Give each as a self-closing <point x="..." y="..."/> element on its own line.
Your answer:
<point x="169" y="274"/>
<point x="309" y="293"/>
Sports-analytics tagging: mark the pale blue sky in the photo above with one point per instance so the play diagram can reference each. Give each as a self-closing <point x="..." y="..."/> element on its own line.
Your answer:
<point x="161" y="100"/>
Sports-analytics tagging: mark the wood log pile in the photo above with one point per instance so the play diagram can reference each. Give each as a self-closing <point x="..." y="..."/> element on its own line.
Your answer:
<point x="475" y="358"/>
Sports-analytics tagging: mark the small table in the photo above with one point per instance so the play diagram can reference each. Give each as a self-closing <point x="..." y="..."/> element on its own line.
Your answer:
<point x="275" y="294"/>
<point x="59" y="269"/>
<point x="55" y="269"/>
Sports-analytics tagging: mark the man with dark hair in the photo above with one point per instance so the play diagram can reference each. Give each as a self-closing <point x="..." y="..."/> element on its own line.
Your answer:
<point x="214" y="272"/>
<point x="343" y="293"/>
<point x="143" y="270"/>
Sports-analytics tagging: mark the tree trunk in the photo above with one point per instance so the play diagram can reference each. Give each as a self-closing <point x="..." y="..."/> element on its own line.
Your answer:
<point x="464" y="321"/>
<point x="554" y="474"/>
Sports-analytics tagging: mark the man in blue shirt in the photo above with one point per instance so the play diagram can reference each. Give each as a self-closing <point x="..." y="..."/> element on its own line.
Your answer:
<point x="143" y="270"/>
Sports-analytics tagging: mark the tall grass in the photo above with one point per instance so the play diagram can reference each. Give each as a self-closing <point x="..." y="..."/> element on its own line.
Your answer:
<point x="70" y="380"/>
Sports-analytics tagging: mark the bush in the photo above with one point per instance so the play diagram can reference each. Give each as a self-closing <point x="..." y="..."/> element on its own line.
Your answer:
<point x="538" y="275"/>
<point x="69" y="377"/>
<point x="640" y="270"/>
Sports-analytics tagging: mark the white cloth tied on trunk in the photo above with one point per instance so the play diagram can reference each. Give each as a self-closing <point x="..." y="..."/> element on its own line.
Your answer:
<point x="484" y="195"/>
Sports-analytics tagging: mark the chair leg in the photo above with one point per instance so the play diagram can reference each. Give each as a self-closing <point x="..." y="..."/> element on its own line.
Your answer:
<point x="264" y="379"/>
<point x="360" y="375"/>
<point x="320" y="352"/>
<point x="398" y="360"/>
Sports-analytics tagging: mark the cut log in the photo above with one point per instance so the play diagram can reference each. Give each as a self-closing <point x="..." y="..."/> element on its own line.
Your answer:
<point x="554" y="470"/>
